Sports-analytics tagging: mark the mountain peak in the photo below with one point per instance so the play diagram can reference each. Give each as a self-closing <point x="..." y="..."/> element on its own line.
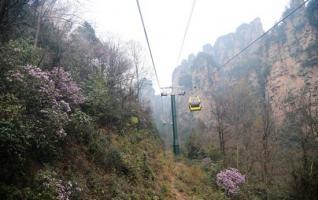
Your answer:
<point x="227" y="45"/>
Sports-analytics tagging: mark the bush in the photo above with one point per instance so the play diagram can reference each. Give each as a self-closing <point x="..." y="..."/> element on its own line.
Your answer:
<point x="194" y="147"/>
<point x="14" y="139"/>
<point x="114" y="160"/>
<point x="18" y="53"/>
<point x="50" y="186"/>
<point x="48" y="98"/>
<point x="100" y="104"/>
<point x="230" y="180"/>
<point x="305" y="185"/>
<point x="80" y="127"/>
<point x="14" y="145"/>
<point x="99" y="147"/>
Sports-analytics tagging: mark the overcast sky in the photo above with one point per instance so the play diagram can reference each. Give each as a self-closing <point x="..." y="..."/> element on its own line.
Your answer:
<point x="166" y="21"/>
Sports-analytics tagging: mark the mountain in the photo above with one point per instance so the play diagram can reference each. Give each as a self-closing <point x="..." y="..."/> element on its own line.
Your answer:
<point x="288" y="54"/>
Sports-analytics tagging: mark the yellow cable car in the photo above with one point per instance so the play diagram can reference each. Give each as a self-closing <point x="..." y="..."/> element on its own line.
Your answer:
<point x="194" y="103"/>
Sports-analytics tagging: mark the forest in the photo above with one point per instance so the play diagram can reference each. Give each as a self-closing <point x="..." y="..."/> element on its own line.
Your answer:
<point x="79" y="118"/>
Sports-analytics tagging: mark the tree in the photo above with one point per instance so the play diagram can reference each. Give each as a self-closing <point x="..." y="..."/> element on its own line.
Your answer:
<point x="302" y="125"/>
<point x="236" y="111"/>
<point x="11" y="16"/>
<point x="218" y="111"/>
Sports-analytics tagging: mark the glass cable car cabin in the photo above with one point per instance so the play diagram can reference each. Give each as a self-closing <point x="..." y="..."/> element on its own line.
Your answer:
<point x="194" y="103"/>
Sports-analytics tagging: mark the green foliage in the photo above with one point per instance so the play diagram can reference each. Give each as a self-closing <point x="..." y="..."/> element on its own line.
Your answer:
<point x="311" y="13"/>
<point x="196" y="183"/>
<point x="199" y="149"/>
<point x="115" y="159"/>
<point x="18" y="53"/>
<point x="14" y="149"/>
<point x="11" y="108"/>
<point x="100" y="104"/>
<point x="48" y="185"/>
<point x="46" y="113"/>
<point x="129" y="159"/>
<point x="15" y="54"/>
<point x="80" y="127"/>
<point x="301" y="142"/>
<point x="31" y="123"/>
<point x="12" y="17"/>
<point x="98" y="147"/>
<point x="194" y="147"/>
<point x="10" y="192"/>
<point x="14" y="138"/>
<point x="134" y="120"/>
<point x="258" y="191"/>
<point x="305" y="181"/>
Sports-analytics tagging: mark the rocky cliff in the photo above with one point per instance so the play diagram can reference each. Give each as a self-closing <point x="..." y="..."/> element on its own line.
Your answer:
<point x="287" y="58"/>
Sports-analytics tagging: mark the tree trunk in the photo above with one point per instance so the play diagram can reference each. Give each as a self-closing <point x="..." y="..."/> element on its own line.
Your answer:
<point x="38" y="26"/>
<point x="137" y="77"/>
<point x="220" y="130"/>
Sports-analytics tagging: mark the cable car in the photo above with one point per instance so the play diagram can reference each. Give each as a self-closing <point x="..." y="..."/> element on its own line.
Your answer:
<point x="194" y="103"/>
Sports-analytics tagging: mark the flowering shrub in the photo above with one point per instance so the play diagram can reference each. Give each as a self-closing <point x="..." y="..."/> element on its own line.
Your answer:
<point x="65" y="85"/>
<point x="45" y="101"/>
<point x="65" y="90"/>
<point x="230" y="179"/>
<point x="52" y="94"/>
<point x="56" y="187"/>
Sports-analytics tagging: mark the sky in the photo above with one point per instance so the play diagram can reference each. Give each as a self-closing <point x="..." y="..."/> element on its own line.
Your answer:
<point x="166" y="21"/>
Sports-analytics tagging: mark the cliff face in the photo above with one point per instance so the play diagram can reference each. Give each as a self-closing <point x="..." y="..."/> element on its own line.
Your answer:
<point x="288" y="55"/>
<point x="199" y="75"/>
<point x="291" y="52"/>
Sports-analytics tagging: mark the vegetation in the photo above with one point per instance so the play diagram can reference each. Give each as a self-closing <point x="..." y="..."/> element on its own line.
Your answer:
<point x="71" y="122"/>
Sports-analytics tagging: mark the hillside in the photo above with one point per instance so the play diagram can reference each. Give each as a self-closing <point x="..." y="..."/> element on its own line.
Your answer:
<point x="72" y="120"/>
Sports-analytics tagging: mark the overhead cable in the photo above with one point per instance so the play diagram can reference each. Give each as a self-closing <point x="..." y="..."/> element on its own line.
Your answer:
<point x="149" y="48"/>
<point x="186" y="30"/>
